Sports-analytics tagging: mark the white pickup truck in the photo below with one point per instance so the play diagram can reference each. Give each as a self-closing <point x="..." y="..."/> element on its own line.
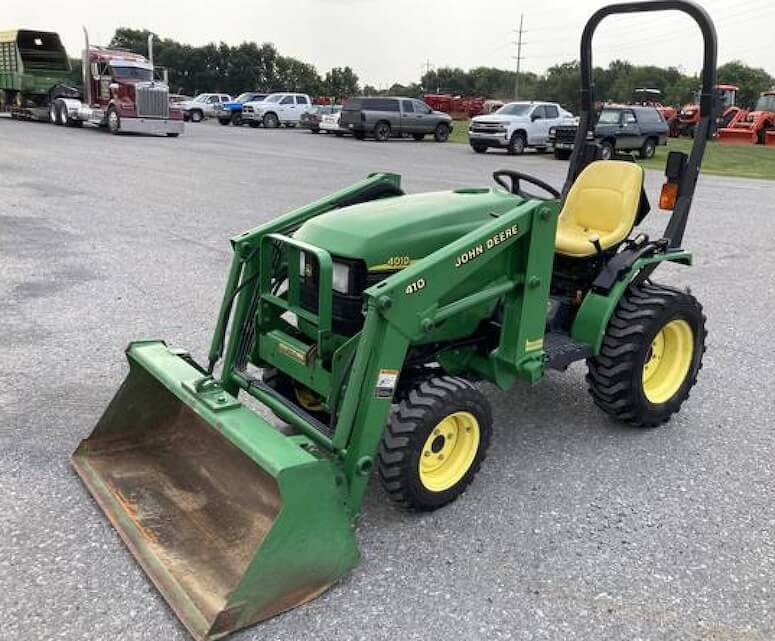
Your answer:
<point x="276" y="109"/>
<point x="517" y="126"/>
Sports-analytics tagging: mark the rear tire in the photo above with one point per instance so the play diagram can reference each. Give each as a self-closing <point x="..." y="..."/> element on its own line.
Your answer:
<point x="53" y="113"/>
<point x="224" y="121"/>
<point x="441" y="133"/>
<point x="517" y="144"/>
<point x="382" y="131"/>
<point x="435" y="443"/>
<point x="648" y="149"/>
<point x="651" y="354"/>
<point x="270" y="121"/>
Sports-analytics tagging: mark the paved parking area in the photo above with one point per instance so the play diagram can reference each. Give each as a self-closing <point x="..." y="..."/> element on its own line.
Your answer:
<point x="575" y="529"/>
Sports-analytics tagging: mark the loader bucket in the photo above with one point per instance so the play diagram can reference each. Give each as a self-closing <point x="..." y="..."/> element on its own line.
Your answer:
<point x="735" y="136"/>
<point x="233" y="521"/>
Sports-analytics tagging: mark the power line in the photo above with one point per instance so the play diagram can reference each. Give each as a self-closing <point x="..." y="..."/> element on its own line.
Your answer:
<point x="519" y="44"/>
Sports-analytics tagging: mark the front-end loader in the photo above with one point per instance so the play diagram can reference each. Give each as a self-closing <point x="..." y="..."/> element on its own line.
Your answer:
<point x="364" y="321"/>
<point x="752" y="127"/>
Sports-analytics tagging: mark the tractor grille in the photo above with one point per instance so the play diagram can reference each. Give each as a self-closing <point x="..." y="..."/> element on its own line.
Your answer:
<point x="153" y="101"/>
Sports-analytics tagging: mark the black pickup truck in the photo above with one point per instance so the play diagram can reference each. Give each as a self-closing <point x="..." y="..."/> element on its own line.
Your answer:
<point x="619" y="128"/>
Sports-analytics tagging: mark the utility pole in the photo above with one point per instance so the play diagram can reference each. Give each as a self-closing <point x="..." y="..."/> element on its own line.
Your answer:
<point x="518" y="57"/>
<point x="426" y="69"/>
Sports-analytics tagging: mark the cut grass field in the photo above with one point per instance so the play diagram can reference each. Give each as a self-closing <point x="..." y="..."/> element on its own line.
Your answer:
<point x="744" y="161"/>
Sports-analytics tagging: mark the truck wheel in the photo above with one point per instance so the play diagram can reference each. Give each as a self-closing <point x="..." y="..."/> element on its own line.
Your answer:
<point x="435" y="443"/>
<point x="649" y="148"/>
<point x="517" y="144"/>
<point x="236" y="119"/>
<point x="418" y="137"/>
<point x="651" y="355"/>
<point x="382" y="131"/>
<point x="271" y="121"/>
<point x="62" y="116"/>
<point x="196" y="115"/>
<point x="114" y="121"/>
<point x="441" y="133"/>
<point x="562" y="154"/>
<point x="606" y="150"/>
<point x="53" y="113"/>
<point x="478" y="147"/>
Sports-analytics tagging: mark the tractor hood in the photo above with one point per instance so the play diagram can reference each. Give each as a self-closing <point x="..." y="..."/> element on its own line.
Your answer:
<point x="391" y="232"/>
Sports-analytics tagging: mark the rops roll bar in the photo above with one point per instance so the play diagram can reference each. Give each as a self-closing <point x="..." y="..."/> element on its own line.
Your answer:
<point x="688" y="179"/>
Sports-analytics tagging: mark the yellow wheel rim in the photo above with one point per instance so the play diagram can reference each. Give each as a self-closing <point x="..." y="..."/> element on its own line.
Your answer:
<point x="449" y="451"/>
<point x="307" y="399"/>
<point x="668" y="361"/>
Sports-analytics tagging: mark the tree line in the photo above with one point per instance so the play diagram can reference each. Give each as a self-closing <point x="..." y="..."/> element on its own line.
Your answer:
<point x="260" y="67"/>
<point x="560" y="83"/>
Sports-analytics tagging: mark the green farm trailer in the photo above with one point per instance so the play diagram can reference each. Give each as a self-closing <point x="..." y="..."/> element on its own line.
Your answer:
<point x="364" y="321"/>
<point x="31" y="64"/>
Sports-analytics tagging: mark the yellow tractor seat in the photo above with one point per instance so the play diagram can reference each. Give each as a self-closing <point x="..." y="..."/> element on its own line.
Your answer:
<point x="603" y="202"/>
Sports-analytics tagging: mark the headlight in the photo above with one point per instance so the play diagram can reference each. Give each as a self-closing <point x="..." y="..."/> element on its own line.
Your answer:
<point x="341" y="279"/>
<point x="341" y="274"/>
<point x="590" y="135"/>
<point x="552" y="131"/>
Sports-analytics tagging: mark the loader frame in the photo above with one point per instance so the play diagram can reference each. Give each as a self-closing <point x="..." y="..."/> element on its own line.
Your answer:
<point x="400" y="311"/>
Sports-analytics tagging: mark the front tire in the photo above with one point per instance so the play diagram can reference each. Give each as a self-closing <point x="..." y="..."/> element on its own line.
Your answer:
<point x="196" y="116"/>
<point x="517" y="144"/>
<point x="271" y="121"/>
<point x="441" y="133"/>
<point x="606" y="150"/>
<point x="651" y="354"/>
<point x="224" y="121"/>
<point x="648" y="149"/>
<point x="236" y="119"/>
<point x="114" y="121"/>
<point x="435" y="443"/>
<point x="53" y="113"/>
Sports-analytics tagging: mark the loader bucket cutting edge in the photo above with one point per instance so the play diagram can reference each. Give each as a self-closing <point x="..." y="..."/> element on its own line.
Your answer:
<point x="233" y="521"/>
<point x="736" y="137"/>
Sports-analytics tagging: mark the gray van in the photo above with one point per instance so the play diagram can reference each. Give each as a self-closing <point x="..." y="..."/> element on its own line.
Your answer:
<point x="386" y="117"/>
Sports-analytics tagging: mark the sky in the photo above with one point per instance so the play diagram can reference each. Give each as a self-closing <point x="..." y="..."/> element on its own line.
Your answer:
<point x="387" y="41"/>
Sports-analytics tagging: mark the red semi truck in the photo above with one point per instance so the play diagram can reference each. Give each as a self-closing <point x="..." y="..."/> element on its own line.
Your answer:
<point x="119" y="90"/>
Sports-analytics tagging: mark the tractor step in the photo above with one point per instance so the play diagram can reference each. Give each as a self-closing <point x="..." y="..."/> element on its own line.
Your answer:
<point x="561" y="350"/>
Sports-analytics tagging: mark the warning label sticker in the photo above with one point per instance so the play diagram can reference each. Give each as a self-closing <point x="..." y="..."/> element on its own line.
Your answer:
<point x="387" y="379"/>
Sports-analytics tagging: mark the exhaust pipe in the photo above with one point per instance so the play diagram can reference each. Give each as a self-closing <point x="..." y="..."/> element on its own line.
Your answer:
<point x="150" y="49"/>
<point x="86" y="69"/>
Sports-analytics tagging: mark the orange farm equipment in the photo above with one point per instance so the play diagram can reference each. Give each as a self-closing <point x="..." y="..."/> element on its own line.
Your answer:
<point x="753" y="127"/>
<point x="689" y="115"/>
<point x="458" y="107"/>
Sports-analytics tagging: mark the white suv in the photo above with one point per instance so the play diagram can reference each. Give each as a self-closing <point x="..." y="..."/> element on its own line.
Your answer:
<point x="517" y="126"/>
<point x="276" y="109"/>
<point x="204" y="105"/>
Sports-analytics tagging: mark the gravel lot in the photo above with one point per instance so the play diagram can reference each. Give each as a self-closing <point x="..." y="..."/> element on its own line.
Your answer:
<point x="575" y="529"/>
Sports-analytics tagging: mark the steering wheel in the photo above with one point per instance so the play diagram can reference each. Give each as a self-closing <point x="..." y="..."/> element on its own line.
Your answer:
<point x="516" y="177"/>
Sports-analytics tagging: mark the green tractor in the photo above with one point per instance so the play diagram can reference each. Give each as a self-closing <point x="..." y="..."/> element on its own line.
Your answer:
<point x="363" y="321"/>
